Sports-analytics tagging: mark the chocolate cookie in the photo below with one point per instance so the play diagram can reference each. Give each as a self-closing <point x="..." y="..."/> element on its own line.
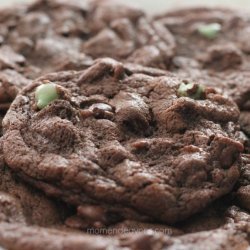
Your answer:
<point x="16" y="234"/>
<point x="49" y="36"/>
<point x="232" y="236"/>
<point x="137" y="144"/>
<point x="124" y="33"/>
<point x="212" y="47"/>
<point x="31" y="46"/>
<point x="220" y="33"/>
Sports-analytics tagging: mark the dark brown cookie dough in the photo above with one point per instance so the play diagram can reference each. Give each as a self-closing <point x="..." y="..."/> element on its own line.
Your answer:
<point x="125" y="141"/>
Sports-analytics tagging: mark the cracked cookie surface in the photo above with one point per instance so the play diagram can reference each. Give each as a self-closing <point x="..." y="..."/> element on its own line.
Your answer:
<point x="126" y="141"/>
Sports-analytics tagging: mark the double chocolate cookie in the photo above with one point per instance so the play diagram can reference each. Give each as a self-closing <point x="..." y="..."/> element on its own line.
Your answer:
<point x="135" y="143"/>
<point x="213" y="48"/>
<point x="49" y="35"/>
<point x="215" y="38"/>
<point x="141" y="156"/>
<point x="232" y="236"/>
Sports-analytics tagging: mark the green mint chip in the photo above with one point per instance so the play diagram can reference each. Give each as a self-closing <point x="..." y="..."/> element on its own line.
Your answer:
<point x="194" y="91"/>
<point x="209" y="31"/>
<point x="45" y="94"/>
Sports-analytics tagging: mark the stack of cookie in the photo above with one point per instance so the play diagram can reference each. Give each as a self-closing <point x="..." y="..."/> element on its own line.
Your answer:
<point x="123" y="131"/>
